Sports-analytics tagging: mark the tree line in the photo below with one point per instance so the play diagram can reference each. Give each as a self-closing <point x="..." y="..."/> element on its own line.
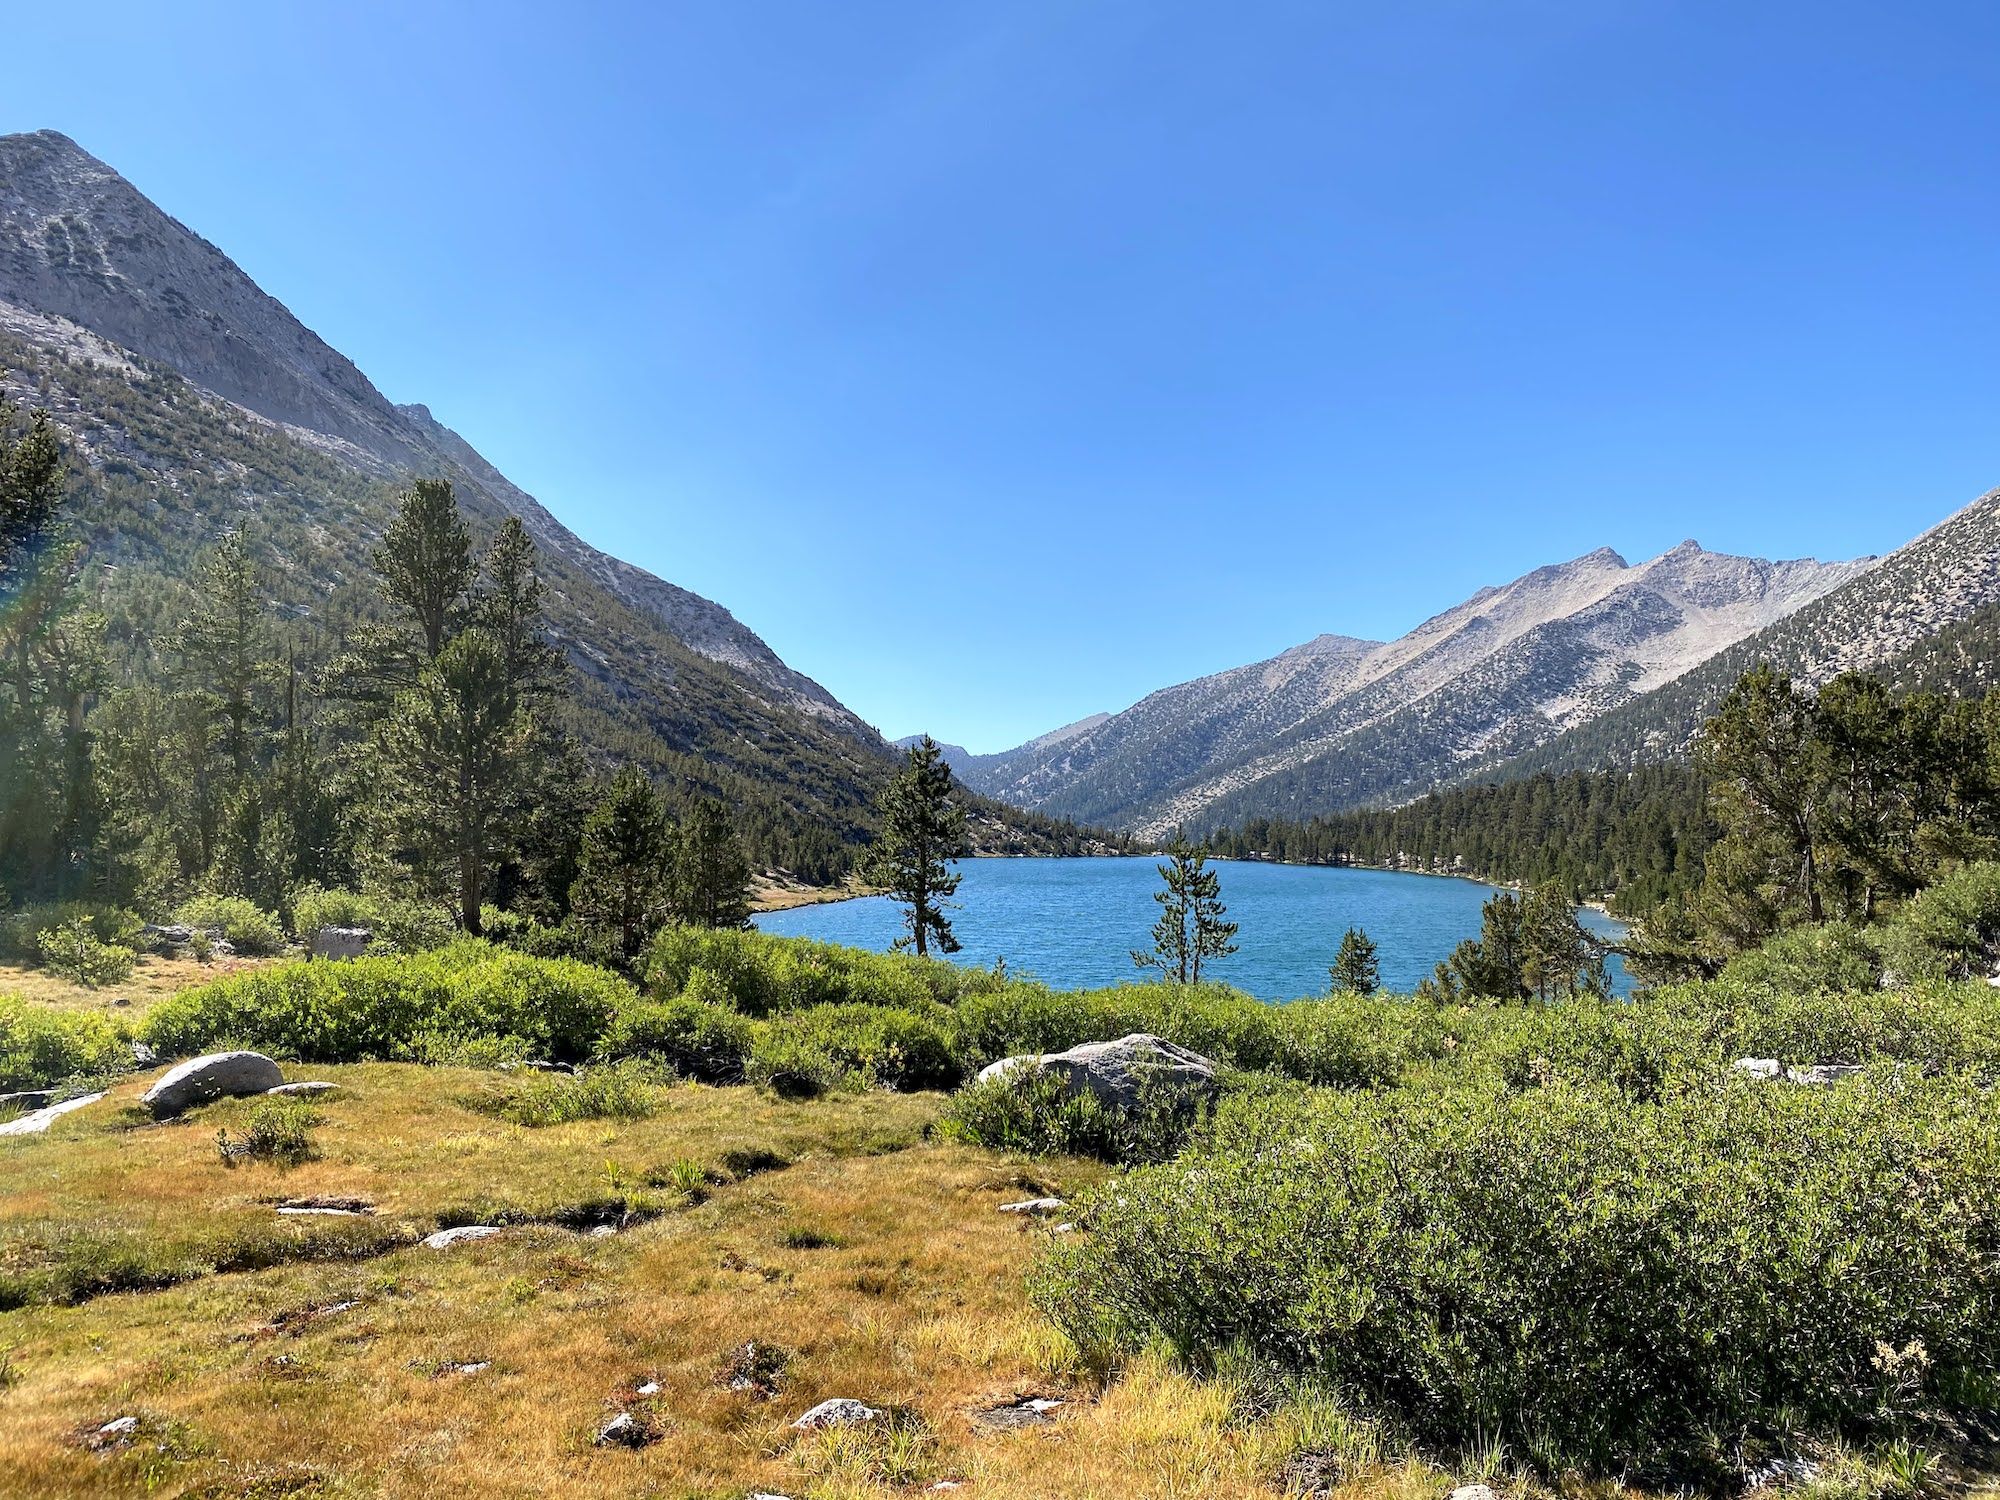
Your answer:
<point x="1829" y="805"/>
<point x="256" y="757"/>
<point x="1635" y="838"/>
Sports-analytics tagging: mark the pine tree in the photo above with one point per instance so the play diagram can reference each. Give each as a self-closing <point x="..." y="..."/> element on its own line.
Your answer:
<point x="510" y="606"/>
<point x="425" y="561"/>
<point x="1355" y="969"/>
<point x="1559" y="957"/>
<point x="711" y="873"/>
<point x="1191" y="926"/>
<point x="923" y="832"/>
<point x="622" y="876"/>
<point x="454" y="758"/>
<point x="222" y="643"/>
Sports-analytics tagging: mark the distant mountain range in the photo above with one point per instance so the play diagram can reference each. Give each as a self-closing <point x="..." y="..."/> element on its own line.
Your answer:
<point x="1523" y="676"/>
<point x="195" y="403"/>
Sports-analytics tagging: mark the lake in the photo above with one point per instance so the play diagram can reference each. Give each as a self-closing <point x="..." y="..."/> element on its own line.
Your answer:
<point x="1074" y="922"/>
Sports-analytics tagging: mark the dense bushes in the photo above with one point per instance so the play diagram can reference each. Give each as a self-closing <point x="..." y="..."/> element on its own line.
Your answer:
<point x="73" y="952"/>
<point x="1588" y="1279"/>
<point x="40" y="1046"/>
<point x="809" y="1052"/>
<point x="242" y="924"/>
<point x="397" y="1006"/>
<point x="762" y="975"/>
<point x="698" y="1040"/>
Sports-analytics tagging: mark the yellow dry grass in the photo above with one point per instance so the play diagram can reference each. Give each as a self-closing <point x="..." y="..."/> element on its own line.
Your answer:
<point x="153" y="978"/>
<point x="876" y="1257"/>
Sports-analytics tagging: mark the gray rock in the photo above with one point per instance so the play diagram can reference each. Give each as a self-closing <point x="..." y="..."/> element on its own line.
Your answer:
<point x="174" y="935"/>
<point x="625" y="1431"/>
<point x="309" y="1087"/>
<point x="28" y="1099"/>
<point x="1759" y="1067"/>
<point x="1035" y="1208"/>
<point x="841" y="1411"/>
<point x="444" y="1239"/>
<point x="1824" y="1075"/>
<point x="1117" y="1072"/>
<point x="37" y="1121"/>
<point x="341" y="942"/>
<point x="143" y="1056"/>
<point x="201" y="1079"/>
<point x="1012" y="1416"/>
<point x="113" y="1434"/>
<point x="1474" y="1492"/>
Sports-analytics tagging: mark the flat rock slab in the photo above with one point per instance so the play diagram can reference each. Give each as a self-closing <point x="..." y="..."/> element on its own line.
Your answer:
<point x="309" y="1088"/>
<point x="214" y="1076"/>
<point x="28" y="1099"/>
<point x="841" y="1411"/>
<point x="1013" y="1416"/>
<point x="1035" y="1208"/>
<point x="35" y="1122"/>
<point x="327" y="1203"/>
<point x="444" y="1239"/>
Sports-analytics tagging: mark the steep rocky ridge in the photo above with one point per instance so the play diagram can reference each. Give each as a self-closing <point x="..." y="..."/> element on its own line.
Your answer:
<point x="1892" y="616"/>
<point x="1338" y="722"/>
<point x="80" y="244"/>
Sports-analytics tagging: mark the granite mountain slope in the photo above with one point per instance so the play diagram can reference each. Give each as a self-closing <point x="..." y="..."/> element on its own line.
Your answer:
<point x="1339" y="722"/>
<point x="196" y="402"/>
<point x="1907" y="615"/>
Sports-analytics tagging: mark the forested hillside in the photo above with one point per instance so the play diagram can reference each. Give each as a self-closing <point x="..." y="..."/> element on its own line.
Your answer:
<point x="1635" y="837"/>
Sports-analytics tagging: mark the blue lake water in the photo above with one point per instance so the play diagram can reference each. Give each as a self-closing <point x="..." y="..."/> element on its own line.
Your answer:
<point x="1074" y="922"/>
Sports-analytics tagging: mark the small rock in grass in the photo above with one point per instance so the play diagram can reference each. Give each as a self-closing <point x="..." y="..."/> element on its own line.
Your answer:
<point x="470" y="1367"/>
<point x="841" y="1411"/>
<point x="201" y="1079"/>
<point x="1035" y="1208"/>
<point x="114" y="1434"/>
<point x="308" y="1087"/>
<point x="1011" y="1416"/>
<point x="1824" y="1075"/>
<point x="1759" y="1067"/>
<point x="1474" y="1492"/>
<point x="143" y="1056"/>
<point x="650" y="1388"/>
<point x="444" y="1239"/>
<point x="625" y="1431"/>
<point x="326" y="1203"/>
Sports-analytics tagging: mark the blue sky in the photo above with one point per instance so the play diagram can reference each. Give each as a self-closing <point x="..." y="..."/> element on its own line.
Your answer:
<point x="1002" y="362"/>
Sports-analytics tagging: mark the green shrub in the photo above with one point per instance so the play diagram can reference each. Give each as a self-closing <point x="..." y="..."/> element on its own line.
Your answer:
<point x="40" y="1047"/>
<point x="809" y="1052"/>
<point x="1949" y="931"/>
<point x="1832" y="957"/>
<point x="71" y="952"/>
<point x="618" y="1091"/>
<point x="697" y="1040"/>
<point x="1628" y="1286"/>
<point x="314" y="907"/>
<point x="412" y="926"/>
<point x="398" y="1006"/>
<point x="243" y="925"/>
<point x="21" y="931"/>
<point x="278" y="1129"/>
<point x="763" y="975"/>
<point x="568" y="940"/>
<point x="1031" y="1111"/>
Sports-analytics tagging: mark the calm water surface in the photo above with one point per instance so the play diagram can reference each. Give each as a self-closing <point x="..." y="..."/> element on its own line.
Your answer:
<point x="1074" y="922"/>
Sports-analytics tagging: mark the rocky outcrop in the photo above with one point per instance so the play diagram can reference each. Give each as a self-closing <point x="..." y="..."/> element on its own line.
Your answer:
<point x="444" y="1239"/>
<point x="340" y="942"/>
<point x="214" y="1076"/>
<point x="841" y="1411"/>
<point x="1119" y="1073"/>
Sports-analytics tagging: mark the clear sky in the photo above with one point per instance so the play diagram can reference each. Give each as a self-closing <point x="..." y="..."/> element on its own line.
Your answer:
<point x="1002" y="362"/>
